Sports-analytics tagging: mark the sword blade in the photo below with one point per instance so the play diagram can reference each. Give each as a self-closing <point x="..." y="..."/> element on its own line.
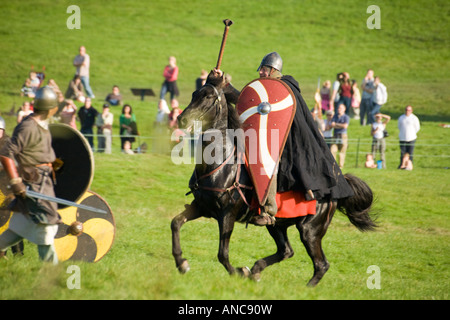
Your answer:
<point x="37" y="195"/>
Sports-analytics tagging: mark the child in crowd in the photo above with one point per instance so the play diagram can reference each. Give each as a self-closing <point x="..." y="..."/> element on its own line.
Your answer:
<point x="369" y="161"/>
<point x="325" y="96"/>
<point x="27" y="90"/>
<point x="377" y="132"/>
<point x="356" y="99"/>
<point x="406" y="163"/>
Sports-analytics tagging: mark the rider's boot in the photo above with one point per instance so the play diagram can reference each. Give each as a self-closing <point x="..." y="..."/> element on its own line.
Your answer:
<point x="269" y="210"/>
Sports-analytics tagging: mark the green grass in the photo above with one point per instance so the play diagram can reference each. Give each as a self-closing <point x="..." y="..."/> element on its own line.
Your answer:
<point x="129" y="43"/>
<point x="410" y="246"/>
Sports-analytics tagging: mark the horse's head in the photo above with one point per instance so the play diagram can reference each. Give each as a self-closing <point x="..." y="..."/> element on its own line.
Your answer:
<point x="208" y="105"/>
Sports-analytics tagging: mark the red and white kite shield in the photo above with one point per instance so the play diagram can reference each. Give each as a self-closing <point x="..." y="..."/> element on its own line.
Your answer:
<point x="266" y="108"/>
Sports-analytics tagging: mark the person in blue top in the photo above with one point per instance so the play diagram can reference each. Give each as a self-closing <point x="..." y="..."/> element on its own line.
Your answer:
<point x="340" y="124"/>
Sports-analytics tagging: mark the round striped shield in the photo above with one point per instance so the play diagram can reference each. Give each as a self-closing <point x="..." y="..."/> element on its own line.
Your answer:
<point x="95" y="235"/>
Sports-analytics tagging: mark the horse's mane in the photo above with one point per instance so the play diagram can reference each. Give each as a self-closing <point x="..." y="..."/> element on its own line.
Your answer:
<point x="233" y="118"/>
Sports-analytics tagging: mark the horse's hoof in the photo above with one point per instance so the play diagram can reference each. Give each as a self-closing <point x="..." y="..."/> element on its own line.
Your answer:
<point x="184" y="267"/>
<point x="312" y="283"/>
<point x="244" y="272"/>
<point x="256" y="277"/>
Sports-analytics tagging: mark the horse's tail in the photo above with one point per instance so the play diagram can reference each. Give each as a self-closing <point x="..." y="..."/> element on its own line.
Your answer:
<point x="358" y="207"/>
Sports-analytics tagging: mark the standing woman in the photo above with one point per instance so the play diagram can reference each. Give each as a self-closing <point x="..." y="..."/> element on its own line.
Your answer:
<point x="356" y="99"/>
<point x="170" y="83"/>
<point x="69" y="113"/>
<point x="128" y="127"/>
<point x="104" y="126"/>
<point x="345" y="92"/>
<point x="325" y="96"/>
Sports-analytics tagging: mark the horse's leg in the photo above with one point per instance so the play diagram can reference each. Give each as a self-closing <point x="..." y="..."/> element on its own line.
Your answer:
<point x="312" y="229"/>
<point x="284" y="250"/>
<point x="190" y="213"/>
<point x="226" y="226"/>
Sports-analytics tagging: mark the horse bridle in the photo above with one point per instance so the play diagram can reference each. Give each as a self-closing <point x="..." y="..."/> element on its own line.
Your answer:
<point x="216" y="101"/>
<point x="236" y="184"/>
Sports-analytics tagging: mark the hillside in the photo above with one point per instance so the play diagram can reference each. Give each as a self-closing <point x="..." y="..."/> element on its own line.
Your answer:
<point x="129" y="43"/>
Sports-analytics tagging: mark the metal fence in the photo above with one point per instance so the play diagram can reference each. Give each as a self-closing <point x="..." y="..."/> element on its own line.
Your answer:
<point x="357" y="147"/>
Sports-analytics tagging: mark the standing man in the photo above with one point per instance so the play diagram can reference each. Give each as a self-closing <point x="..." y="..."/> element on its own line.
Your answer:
<point x="379" y="98"/>
<point x="88" y="115"/>
<point x="408" y="125"/>
<point x="306" y="164"/>
<point x="82" y="62"/>
<point x="368" y="89"/>
<point x="340" y="124"/>
<point x="31" y="146"/>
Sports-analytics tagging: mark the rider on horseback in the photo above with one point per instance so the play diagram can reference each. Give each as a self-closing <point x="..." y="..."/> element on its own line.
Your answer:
<point x="306" y="164"/>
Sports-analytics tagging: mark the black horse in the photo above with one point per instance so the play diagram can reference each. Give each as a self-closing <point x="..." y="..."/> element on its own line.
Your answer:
<point x="223" y="191"/>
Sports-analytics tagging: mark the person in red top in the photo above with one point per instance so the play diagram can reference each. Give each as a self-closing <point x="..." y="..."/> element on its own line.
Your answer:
<point x="346" y="92"/>
<point x="170" y="82"/>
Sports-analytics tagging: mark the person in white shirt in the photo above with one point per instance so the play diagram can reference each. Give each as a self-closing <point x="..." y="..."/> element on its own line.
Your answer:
<point x="104" y="125"/>
<point x="83" y="62"/>
<point x="162" y="117"/>
<point x="379" y="99"/>
<point x="408" y="125"/>
<point x="378" y="141"/>
<point x="335" y="97"/>
<point x="24" y="112"/>
<point x="2" y="129"/>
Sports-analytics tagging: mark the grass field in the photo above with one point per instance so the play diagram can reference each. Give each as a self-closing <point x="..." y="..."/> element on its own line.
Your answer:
<point x="129" y="43"/>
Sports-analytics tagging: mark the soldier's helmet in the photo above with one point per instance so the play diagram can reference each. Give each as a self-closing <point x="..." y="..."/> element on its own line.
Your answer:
<point x="273" y="60"/>
<point x="45" y="99"/>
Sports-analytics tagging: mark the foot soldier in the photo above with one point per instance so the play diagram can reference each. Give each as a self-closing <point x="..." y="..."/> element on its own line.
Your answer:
<point x="31" y="146"/>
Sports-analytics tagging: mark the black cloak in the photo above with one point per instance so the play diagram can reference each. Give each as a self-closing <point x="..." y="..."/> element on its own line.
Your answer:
<point x="306" y="162"/>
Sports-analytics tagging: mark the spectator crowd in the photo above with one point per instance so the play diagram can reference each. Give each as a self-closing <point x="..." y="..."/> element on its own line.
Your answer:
<point x="93" y="122"/>
<point x="344" y="99"/>
<point x="336" y="103"/>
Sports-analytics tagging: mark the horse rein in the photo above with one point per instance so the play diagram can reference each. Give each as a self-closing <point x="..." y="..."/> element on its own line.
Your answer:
<point x="236" y="184"/>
